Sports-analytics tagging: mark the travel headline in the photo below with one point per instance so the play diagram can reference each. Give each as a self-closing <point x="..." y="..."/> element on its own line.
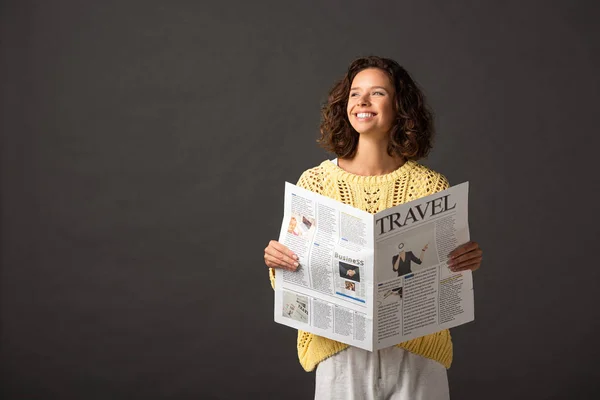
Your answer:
<point x="415" y="214"/>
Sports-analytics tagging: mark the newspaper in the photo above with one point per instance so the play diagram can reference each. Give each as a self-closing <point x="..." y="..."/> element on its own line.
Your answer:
<point x="373" y="280"/>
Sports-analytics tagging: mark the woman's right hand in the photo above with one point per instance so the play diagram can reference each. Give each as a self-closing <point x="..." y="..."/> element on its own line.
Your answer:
<point x="279" y="256"/>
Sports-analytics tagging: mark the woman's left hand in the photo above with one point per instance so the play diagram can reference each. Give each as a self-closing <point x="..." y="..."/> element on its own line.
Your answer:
<point x="464" y="257"/>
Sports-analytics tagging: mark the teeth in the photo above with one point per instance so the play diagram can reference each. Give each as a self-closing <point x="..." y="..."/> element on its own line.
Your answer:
<point x="364" y="115"/>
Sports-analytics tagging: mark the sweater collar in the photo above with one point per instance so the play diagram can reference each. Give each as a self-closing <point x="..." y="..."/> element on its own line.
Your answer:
<point x="335" y="171"/>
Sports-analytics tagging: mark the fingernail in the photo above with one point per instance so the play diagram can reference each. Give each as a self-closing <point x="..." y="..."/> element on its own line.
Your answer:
<point x="295" y="257"/>
<point x="296" y="264"/>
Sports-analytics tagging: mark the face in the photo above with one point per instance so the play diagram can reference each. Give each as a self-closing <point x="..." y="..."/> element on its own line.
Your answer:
<point x="371" y="103"/>
<point x="292" y="224"/>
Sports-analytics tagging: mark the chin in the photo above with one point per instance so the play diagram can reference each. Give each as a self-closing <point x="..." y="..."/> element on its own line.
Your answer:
<point x="373" y="132"/>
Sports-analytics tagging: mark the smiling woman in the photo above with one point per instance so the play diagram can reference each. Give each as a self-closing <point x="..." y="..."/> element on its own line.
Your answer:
<point x="377" y="122"/>
<point x="377" y="82"/>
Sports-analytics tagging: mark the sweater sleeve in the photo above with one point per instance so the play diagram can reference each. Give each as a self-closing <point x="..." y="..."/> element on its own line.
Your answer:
<point x="272" y="277"/>
<point x="309" y="180"/>
<point x="343" y="270"/>
<point x="442" y="184"/>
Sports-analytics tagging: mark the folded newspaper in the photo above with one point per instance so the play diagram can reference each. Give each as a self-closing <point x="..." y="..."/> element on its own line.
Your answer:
<point x="374" y="280"/>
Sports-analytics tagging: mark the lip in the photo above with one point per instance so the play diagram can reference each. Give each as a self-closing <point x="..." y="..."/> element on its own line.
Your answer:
<point x="364" y="111"/>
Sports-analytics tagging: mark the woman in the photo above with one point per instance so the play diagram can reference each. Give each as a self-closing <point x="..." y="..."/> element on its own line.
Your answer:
<point x="401" y="261"/>
<point x="377" y="123"/>
<point x="292" y="226"/>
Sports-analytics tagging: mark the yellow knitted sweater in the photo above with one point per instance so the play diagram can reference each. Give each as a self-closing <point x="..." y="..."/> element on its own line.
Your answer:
<point x="373" y="194"/>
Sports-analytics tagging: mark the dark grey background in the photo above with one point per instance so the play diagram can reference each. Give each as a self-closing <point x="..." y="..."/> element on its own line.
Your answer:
<point x="144" y="149"/>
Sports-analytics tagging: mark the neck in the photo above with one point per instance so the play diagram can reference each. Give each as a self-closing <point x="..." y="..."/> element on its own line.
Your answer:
<point x="371" y="159"/>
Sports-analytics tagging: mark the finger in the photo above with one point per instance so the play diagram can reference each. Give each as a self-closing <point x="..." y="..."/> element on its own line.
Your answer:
<point x="278" y="250"/>
<point x="463" y="248"/>
<point x="283" y="249"/>
<point x="274" y="262"/>
<point x="473" y="265"/>
<point x="290" y="262"/>
<point x="280" y="259"/>
<point x="465" y="257"/>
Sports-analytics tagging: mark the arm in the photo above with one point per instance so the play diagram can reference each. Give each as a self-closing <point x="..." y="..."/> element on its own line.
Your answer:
<point x="343" y="270"/>
<point x="422" y="254"/>
<point x="414" y="258"/>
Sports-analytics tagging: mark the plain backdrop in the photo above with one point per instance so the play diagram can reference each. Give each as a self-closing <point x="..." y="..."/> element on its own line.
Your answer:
<point x="144" y="149"/>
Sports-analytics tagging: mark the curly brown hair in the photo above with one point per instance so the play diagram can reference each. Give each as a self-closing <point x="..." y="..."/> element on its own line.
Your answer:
<point x="411" y="135"/>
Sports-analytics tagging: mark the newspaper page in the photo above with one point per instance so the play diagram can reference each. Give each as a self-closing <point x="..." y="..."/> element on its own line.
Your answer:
<point x="373" y="281"/>
<point x="417" y="294"/>
<point x="331" y="292"/>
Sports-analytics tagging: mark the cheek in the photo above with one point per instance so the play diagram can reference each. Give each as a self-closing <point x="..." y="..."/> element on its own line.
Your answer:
<point x="390" y="113"/>
<point x="390" y="107"/>
<point x="350" y="119"/>
<point x="349" y="115"/>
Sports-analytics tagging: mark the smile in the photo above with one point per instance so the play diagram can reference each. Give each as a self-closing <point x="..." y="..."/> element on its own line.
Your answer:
<point x="365" y="115"/>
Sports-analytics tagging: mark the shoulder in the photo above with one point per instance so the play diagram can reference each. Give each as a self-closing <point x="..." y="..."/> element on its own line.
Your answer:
<point x="313" y="178"/>
<point x="431" y="181"/>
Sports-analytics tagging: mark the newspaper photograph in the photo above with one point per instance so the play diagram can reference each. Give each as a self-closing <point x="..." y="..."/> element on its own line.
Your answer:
<point x="373" y="280"/>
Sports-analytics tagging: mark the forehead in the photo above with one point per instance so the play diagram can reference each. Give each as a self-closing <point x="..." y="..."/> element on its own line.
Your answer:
<point x="372" y="77"/>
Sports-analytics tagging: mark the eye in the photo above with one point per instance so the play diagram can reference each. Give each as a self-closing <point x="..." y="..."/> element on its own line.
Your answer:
<point x="353" y="94"/>
<point x="379" y="93"/>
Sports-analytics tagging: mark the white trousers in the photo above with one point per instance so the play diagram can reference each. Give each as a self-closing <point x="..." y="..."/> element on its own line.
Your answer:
<point x="391" y="373"/>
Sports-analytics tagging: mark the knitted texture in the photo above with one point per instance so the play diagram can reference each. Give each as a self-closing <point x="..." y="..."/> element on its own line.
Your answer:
<point x="373" y="194"/>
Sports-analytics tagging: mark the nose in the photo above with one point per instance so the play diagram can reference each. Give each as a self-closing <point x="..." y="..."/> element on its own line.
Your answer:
<point x="363" y="100"/>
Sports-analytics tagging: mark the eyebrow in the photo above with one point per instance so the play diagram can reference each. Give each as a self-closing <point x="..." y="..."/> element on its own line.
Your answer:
<point x="374" y="87"/>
